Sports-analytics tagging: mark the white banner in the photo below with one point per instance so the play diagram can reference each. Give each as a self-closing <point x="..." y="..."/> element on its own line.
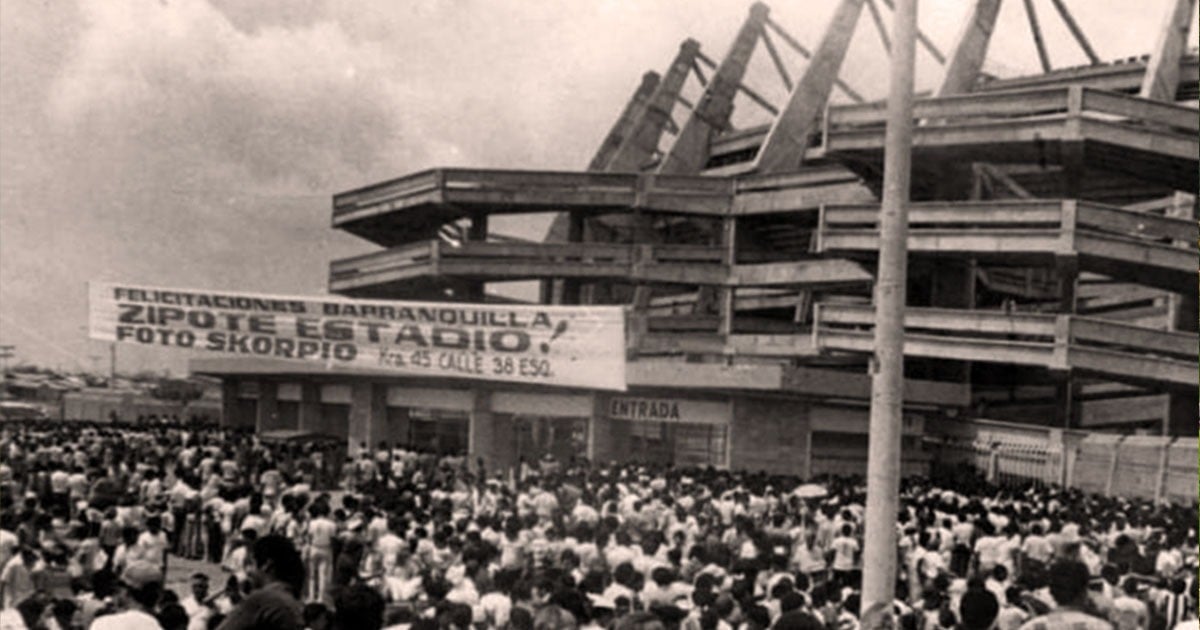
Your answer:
<point x="579" y="346"/>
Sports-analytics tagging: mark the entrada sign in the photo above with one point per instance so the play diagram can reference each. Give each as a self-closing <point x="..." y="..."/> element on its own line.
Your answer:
<point x="668" y="410"/>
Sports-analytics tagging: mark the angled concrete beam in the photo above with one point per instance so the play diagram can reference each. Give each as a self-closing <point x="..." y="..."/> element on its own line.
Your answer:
<point x="970" y="49"/>
<point x="807" y="54"/>
<point x="1076" y="31"/>
<point x="777" y="60"/>
<point x="1162" y="73"/>
<point x="689" y="153"/>
<point x="786" y="142"/>
<point x="923" y="39"/>
<point x="620" y="132"/>
<point x="1036" y="30"/>
<point x="880" y="27"/>
<point x="560" y="226"/>
<point x="641" y="143"/>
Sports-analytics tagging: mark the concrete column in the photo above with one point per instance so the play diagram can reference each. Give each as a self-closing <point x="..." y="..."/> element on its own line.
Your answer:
<point x="229" y="405"/>
<point x="310" y="408"/>
<point x="481" y="431"/>
<point x="268" y="408"/>
<point x="1184" y="312"/>
<point x="504" y="438"/>
<point x="1068" y="387"/>
<point x="398" y="426"/>
<point x="953" y="287"/>
<point x="622" y="442"/>
<point x="1181" y="421"/>
<point x="368" y="416"/>
<point x="572" y="287"/>
<point x="601" y="445"/>
<point x="477" y="232"/>
<point x="1070" y="454"/>
<point x="490" y="436"/>
<point x="728" y="295"/>
<point x="807" y="466"/>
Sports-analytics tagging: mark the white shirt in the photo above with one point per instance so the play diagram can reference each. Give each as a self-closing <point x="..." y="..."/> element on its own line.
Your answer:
<point x="127" y="620"/>
<point x="8" y="546"/>
<point x="197" y="613"/>
<point x="493" y="609"/>
<point x="388" y="547"/>
<point x="845" y="549"/>
<point x="10" y="619"/>
<point x="153" y="546"/>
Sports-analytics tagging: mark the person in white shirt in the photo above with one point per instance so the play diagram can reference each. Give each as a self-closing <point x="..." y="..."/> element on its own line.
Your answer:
<point x="997" y="583"/>
<point x="845" y="554"/>
<point x="129" y="551"/>
<point x="1037" y="547"/>
<point x="139" y="589"/>
<point x="17" y="578"/>
<point x="196" y="605"/>
<point x="320" y="534"/>
<point x="8" y="537"/>
<point x="236" y="560"/>
<point x="1168" y="562"/>
<point x="495" y="605"/>
<point x="388" y="548"/>
<point x="152" y="543"/>
<point x="1127" y="611"/>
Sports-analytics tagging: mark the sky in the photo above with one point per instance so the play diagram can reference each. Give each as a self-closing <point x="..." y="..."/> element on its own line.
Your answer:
<point x="198" y="143"/>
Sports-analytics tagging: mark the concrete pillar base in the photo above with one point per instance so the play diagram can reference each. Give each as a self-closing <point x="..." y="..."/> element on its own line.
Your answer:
<point x="368" y="417"/>
<point x="310" y="408"/>
<point x="268" y="408"/>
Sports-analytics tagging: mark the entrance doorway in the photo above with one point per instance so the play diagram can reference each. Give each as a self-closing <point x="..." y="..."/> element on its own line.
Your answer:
<point x="680" y="444"/>
<point x="561" y="438"/>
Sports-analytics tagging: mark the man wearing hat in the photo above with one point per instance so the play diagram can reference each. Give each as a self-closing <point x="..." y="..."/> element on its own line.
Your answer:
<point x="138" y="591"/>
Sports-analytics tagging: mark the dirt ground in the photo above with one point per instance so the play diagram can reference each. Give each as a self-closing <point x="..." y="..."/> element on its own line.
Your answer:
<point x="180" y="570"/>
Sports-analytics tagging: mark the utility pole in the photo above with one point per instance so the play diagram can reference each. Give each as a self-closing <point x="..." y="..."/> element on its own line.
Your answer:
<point x="6" y="353"/>
<point x="112" y="364"/>
<point x="887" y="365"/>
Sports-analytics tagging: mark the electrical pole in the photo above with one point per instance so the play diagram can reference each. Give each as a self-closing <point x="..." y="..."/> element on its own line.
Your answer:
<point x="6" y="353"/>
<point x="887" y="365"/>
<point x="112" y="364"/>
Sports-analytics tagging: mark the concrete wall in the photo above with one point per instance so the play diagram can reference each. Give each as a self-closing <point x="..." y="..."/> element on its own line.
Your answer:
<point x="367" y="416"/>
<point x="1151" y="467"/>
<point x="770" y="435"/>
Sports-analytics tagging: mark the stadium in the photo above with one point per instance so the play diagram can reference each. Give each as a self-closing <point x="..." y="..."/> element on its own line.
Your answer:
<point x="1052" y="298"/>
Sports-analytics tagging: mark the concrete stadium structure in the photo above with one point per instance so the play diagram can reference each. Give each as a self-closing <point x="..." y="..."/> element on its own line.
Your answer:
<point x="1053" y="260"/>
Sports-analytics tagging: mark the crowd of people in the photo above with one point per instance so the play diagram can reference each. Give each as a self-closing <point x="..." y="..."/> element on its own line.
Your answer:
<point x="93" y="516"/>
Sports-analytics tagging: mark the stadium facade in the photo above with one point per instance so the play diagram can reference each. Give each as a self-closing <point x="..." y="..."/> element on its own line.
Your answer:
<point x="1053" y="260"/>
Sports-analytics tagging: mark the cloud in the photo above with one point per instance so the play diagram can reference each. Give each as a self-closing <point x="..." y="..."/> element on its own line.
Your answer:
<point x="175" y="86"/>
<point x="164" y="144"/>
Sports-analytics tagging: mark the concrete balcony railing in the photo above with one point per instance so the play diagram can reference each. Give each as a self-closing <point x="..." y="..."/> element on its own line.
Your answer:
<point x="1143" y="248"/>
<point x="658" y="264"/>
<point x="444" y="195"/>
<point x="1140" y="138"/>
<point x="1056" y="342"/>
